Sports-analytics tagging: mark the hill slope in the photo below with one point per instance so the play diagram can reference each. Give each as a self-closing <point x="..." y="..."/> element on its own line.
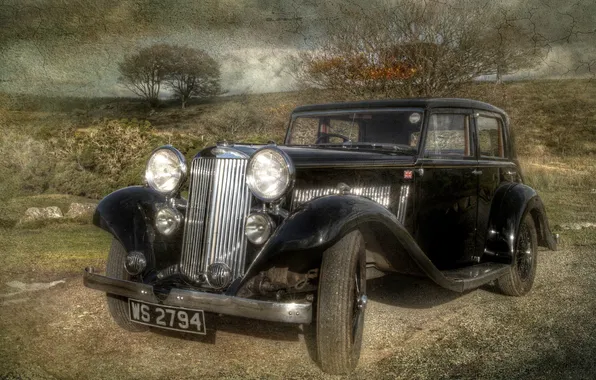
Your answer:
<point x="554" y="123"/>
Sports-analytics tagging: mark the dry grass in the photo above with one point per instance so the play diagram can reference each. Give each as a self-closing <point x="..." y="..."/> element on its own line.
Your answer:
<point x="50" y="252"/>
<point x="554" y="122"/>
<point x="554" y="118"/>
<point x="560" y="172"/>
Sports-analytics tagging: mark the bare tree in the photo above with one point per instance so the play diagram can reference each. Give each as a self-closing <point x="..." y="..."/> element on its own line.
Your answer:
<point x="513" y="42"/>
<point x="143" y="72"/>
<point x="413" y="48"/>
<point x="192" y="73"/>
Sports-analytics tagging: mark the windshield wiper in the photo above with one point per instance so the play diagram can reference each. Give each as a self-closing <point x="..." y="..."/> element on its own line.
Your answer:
<point x="382" y="146"/>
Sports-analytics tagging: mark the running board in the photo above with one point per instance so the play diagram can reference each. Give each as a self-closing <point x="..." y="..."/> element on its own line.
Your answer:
<point x="475" y="276"/>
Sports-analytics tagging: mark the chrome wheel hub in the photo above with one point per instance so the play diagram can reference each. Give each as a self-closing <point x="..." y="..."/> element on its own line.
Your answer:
<point x="361" y="302"/>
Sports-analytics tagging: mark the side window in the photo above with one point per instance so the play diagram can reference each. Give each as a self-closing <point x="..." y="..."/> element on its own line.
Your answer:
<point x="490" y="137"/>
<point x="448" y="136"/>
<point x="305" y="130"/>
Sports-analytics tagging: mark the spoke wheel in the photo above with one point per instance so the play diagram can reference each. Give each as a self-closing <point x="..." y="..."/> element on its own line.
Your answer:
<point x="520" y="278"/>
<point x="525" y="256"/>
<point x="360" y="301"/>
<point x="341" y="304"/>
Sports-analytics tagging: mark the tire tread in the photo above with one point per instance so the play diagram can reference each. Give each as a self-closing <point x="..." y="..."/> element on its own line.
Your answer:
<point x="509" y="284"/>
<point x="335" y="296"/>
<point x="118" y="305"/>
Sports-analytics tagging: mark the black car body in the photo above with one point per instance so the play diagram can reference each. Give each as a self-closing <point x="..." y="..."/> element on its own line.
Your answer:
<point x="416" y="186"/>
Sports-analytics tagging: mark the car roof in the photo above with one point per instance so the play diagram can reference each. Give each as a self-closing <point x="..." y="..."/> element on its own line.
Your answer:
<point x="408" y="102"/>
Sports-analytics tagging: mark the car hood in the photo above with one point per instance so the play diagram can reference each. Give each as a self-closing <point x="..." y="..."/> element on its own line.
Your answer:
<point x="309" y="157"/>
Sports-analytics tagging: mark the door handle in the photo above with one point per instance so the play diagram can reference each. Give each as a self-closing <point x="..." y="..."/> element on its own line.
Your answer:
<point x="476" y="172"/>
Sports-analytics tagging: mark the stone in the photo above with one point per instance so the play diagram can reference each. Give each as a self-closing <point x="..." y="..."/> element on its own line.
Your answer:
<point x="576" y="226"/>
<point x="41" y="213"/>
<point x="81" y="210"/>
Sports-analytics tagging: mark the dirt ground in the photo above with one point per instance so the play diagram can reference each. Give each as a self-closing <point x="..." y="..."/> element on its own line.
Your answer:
<point x="413" y="329"/>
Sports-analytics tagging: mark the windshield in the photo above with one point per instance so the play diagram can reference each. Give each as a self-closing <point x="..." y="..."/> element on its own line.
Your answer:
<point x="395" y="129"/>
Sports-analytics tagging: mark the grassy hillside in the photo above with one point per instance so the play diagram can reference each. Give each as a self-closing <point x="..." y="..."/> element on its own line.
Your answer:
<point x="88" y="151"/>
<point x="550" y="117"/>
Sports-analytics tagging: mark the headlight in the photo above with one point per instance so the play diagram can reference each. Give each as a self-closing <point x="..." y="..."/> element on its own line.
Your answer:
<point x="269" y="174"/>
<point x="166" y="170"/>
<point x="258" y="228"/>
<point x="167" y="220"/>
<point x="135" y="263"/>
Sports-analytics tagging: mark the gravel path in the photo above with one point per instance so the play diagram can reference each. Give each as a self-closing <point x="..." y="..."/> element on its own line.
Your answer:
<point x="413" y="329"/>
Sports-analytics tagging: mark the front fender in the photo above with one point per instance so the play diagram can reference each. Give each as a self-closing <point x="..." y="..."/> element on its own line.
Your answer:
<point x="323" y="221"/>
<point x="512" y="202"/>
<point x="127" y="214"/>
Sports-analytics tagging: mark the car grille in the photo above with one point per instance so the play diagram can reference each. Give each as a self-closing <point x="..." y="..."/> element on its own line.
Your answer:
<point x="379" y="194"/>
<point x="218" y="203"/>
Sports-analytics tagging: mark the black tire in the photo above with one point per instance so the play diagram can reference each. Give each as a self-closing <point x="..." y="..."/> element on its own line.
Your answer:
<point x="519" y="279"/>
<point x="118" y="305"/>
<point x="341" y="304"/>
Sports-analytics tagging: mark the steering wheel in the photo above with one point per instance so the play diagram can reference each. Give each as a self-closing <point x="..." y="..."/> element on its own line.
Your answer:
<point x="325" y="135"/>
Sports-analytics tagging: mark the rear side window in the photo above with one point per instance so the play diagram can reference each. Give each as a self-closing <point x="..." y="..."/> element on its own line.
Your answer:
<point x="490" y="137"/>
<point x="448" y="136"/>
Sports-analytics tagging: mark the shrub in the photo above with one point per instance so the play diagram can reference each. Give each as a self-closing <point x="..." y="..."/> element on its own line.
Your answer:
<point x="232" y="121"/>
<point x="26" y="164"/>
<point x="243" y="122"/>
<point x="101" y="159"/>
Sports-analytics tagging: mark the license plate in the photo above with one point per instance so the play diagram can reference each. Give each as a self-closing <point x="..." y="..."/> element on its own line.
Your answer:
<point x="167" y="317"/>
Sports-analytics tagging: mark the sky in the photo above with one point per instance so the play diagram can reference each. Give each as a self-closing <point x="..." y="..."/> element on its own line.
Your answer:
<point x="72" y="47"/>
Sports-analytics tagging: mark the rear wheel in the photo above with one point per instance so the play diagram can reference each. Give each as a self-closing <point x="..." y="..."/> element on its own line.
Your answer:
<point x="118" y="305"/>
<point x="341" y="304"/>
<point x="520" y="278"/>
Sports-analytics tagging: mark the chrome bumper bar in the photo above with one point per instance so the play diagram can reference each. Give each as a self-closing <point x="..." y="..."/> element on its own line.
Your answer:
<point x="215" y="303"/>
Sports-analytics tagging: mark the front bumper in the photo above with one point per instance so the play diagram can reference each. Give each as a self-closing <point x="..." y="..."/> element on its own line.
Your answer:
<point x="215" y="303"/>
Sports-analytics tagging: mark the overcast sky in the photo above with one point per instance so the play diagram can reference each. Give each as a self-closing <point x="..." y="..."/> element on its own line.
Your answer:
<point x="72" y="47"/>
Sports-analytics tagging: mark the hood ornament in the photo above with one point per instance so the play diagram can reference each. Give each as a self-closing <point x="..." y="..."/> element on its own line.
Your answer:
<point x="343" y="188"/>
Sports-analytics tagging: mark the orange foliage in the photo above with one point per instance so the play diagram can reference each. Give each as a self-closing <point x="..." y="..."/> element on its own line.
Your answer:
<point x="324" y="65"/>
<point x="359" y="67"/>
<point x="390" y="73"/>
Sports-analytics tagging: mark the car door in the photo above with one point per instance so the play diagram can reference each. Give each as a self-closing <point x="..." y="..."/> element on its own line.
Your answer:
<point x="495" y="166"/>
<point x="447" y="184"/>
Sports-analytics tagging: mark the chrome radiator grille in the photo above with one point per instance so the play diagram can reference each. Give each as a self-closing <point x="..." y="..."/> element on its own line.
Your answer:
<point x="218" y="203"/>
<point x="379" y="194"/>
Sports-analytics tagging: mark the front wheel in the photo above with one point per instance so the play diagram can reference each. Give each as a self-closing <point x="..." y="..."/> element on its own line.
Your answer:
<point x="519" y="279"/>
<point x="341" y="304"/>
<point x="118" y="305"/>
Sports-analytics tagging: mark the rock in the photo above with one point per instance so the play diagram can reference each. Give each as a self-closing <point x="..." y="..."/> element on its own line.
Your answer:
<point x="576" y="226"/>
<point x="35" y="286"/>
<point x="81" y="210"/>
<point x="41" y="213"/>
<point x="21" y="287"/>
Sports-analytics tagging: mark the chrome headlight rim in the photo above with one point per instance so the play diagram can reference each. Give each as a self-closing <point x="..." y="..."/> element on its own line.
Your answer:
<point x="289" y="166"/>
<point x="135" y="263"/>
<point x="270" y="227"/>
<point x="149" y="180"/>
<point x="176" y="216"/>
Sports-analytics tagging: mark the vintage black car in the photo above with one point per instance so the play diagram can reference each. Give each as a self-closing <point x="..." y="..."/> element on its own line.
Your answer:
<point x="291" y="233"/>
